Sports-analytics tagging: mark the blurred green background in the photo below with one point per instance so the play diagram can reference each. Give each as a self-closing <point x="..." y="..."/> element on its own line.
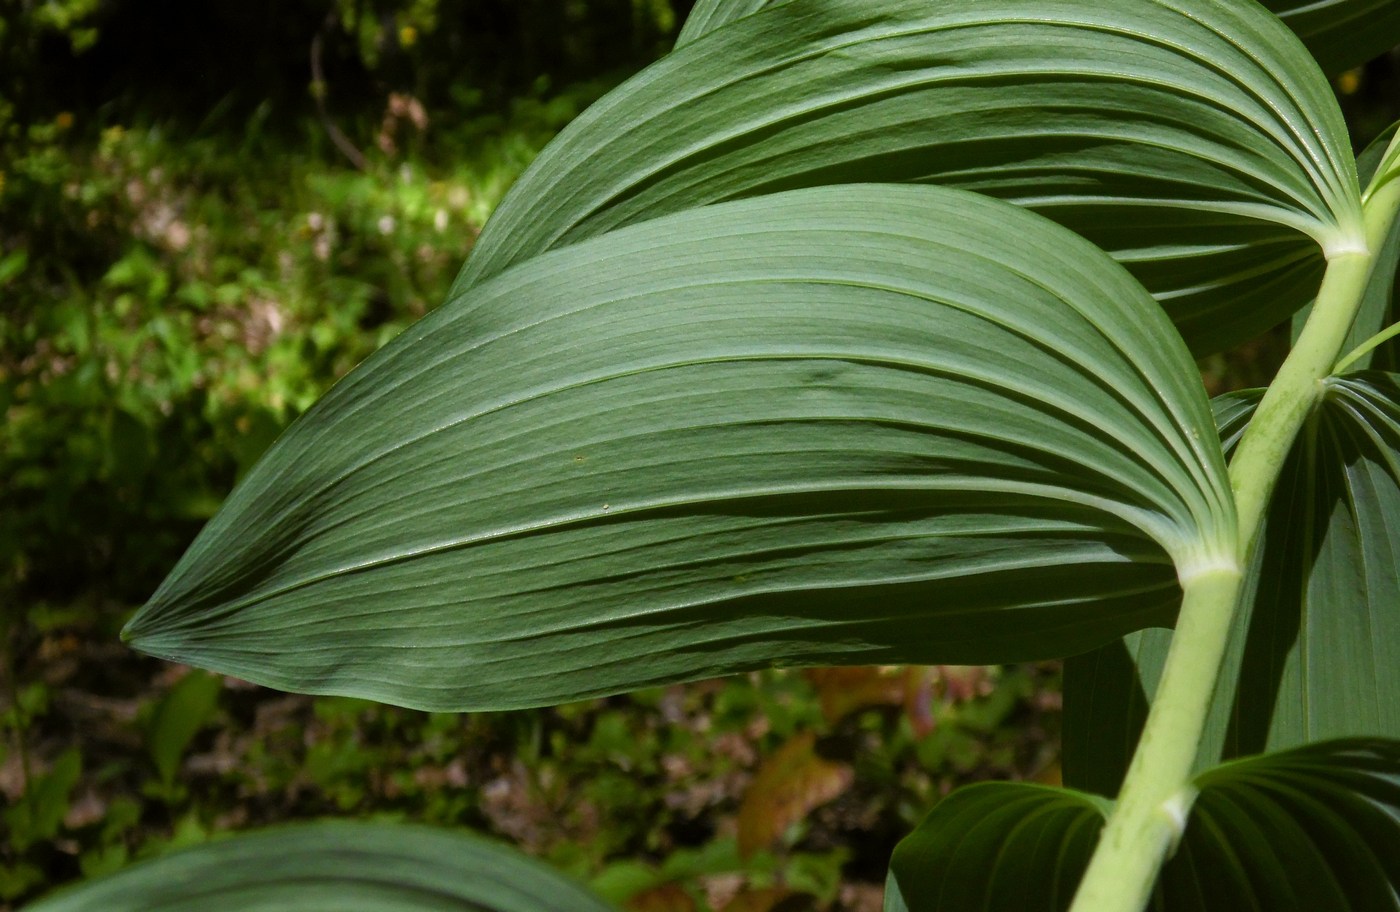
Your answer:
<point x="208" y="213"/>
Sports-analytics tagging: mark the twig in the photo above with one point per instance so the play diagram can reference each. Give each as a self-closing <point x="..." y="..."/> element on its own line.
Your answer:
<point x="318" y="91"/>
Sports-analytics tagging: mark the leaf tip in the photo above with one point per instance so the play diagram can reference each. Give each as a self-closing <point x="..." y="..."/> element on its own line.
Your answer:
<point x="138" y="635"/>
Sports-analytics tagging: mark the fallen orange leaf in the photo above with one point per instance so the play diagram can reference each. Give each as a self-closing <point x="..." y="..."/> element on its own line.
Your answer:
<point x="789" y="785"/>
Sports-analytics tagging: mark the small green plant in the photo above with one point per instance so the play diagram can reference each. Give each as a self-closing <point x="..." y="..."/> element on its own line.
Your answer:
<point x="857" y="332"/>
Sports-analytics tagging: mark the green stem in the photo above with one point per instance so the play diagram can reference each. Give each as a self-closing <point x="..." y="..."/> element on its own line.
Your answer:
<point x="1296" y="387"/>
<point x="1150" y="814"/>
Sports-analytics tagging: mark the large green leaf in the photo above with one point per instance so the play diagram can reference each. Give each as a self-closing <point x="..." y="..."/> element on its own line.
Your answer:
<point x="1309" y="829"/>
<point x="1342" y="33"/>
<point x="1323" y="646"/>
<point x="334" y="867"/>
<point x="855" y="424"/>
<point x="1317" y="652"/>
<point x="1107" y="693"/>
<point x="1194" y="140"/>
<point x="997" y="845"/>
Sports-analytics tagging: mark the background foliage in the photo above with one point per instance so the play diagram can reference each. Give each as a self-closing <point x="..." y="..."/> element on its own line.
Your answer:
<point x="208" y="213"/>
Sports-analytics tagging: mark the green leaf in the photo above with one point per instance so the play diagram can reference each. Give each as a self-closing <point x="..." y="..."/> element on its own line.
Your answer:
<point x="178" y="718"/>
<point x="1342" y="34"/>
<point x="1316" y="651"/>
<point x="334" y="867"/>
<point x="1107" y="693"/>
<point x="852" y="425"/>
<point x="39" y="812"/>
<point x="1313" y="828"/>
<point x="1323" y="647"/>
<point x="12" y="265"/>
<point x="1195" y="140"/>
<point x="997" y="845"/>
<point x="708" y="15"/>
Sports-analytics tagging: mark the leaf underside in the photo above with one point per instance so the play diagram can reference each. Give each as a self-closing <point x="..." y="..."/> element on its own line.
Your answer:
<point x="853" y="425"/>
<point x="1321" y="604"/>
<point x="334" y="867"/>
<point x="1341" y="34"/>
<point x="1194" y="141"/>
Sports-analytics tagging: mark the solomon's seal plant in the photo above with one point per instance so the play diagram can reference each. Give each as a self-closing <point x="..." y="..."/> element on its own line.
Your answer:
<point x="862" y="331"/>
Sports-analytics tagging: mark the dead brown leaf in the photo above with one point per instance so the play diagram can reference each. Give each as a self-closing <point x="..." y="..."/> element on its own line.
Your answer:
<point x="788" y="786"/>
